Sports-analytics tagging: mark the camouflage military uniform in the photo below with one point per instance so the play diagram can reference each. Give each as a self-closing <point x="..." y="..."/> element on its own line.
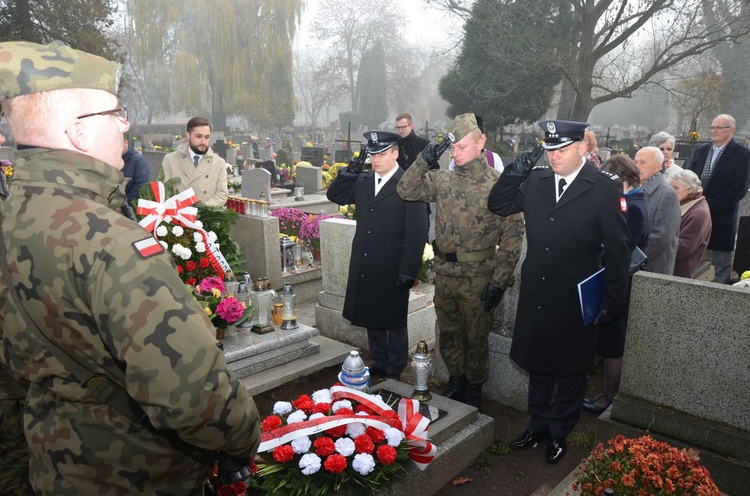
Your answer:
<point x="14" y="462"/>
<point x="81" y="278"/>
<point x="464" y="225"/>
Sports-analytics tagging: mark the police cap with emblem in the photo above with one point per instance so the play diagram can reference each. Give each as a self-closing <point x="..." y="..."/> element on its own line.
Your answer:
<point x="559" y="134"/>
<point x="27" y="68"/>
<point x="380" y="141"/>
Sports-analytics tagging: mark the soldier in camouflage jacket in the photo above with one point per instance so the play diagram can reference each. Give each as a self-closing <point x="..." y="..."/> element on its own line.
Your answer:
<point x="471" y="273"/>
<point x="97" y="286"/>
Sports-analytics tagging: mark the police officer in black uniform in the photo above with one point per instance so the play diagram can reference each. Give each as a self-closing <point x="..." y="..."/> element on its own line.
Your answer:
<point x="575" y="223"/>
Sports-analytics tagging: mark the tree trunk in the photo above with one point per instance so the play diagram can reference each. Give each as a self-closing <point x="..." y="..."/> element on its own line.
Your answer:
<point x="567" y="100"/>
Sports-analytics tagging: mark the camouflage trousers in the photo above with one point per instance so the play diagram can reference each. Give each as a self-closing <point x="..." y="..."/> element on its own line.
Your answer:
<point x="464" y="326"/>
<point x="14" y="453"/>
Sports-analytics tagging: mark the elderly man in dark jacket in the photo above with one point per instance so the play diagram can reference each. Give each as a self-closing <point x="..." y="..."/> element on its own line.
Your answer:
<point x="135" y="169"/>
<point x="724" y="169"/>
<point x="575" y="217"/>
<point x="386" y="252"/>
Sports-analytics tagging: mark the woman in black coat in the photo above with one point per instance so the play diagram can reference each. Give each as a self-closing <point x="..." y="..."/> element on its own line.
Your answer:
<point x="386" y="252"/>
<point x="610" y="343"/>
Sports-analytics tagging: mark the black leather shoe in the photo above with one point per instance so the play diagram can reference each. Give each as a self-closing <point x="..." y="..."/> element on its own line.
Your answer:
<point x="456" y="388"/>
<point x="377" y="372"/>
<point x="473" y="396"/>
<point x="556" y="449"/>
<point x="529" y="439"/>
<point x="590" y="406"/>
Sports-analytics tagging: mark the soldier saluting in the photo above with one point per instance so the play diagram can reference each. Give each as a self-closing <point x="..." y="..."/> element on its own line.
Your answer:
<point x="86" y="281"/>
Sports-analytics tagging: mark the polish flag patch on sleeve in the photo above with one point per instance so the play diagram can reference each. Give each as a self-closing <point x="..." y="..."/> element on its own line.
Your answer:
<point x="623" y="205"/>
<point x="148" y="247"/>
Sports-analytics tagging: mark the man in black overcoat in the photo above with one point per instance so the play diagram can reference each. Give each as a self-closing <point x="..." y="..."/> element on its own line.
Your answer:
<point x="575" y="223"/>
<point x="409" y="144"/>
<point x="724" y="169"/>
<point x="386" y="252"/>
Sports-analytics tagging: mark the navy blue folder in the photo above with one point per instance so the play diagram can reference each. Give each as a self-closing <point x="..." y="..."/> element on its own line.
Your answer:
<point x="590" y="292"/>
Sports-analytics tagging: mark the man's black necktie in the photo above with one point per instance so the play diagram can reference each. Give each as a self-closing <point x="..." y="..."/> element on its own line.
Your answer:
<point x="561" y="187"/>
<point x="380" y="179"/>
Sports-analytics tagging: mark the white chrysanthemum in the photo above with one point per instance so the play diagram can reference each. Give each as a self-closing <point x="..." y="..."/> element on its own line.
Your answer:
<point x="200" y="247"/>
<point x="341" y="404"/>
<point x="344" y="446"/>
<point x="301" y="445"/>
<point x="161" y="231"/>
<point x="198" y="224"/>
<point x="164" y="244"/>
<point x="393" y="436"/>
<point x="322" y="396"/>
<point x="309" y="463"/>
<point x="355" y="429"/>
<point x="178" y="231"/>
<point x="363" y="463"/>
<point x="298" y="416"/>
<point x="197" y="237"/>
<point x="316" y="416"/>
<point x="211" y="236"/>
<point x="282" y="407"/>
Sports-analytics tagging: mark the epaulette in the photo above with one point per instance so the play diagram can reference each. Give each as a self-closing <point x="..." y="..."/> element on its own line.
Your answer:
<point x="609" y="175"/>
<point x="540" y="167"/>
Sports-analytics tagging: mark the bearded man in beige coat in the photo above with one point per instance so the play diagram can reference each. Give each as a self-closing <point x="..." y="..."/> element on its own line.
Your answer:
<point x="197" y="166"/>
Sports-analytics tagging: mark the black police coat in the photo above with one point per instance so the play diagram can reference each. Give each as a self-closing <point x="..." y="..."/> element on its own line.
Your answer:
<point x="389" y="241"/>
<point x="727" y="185"/>
<point x="565" y="242"/>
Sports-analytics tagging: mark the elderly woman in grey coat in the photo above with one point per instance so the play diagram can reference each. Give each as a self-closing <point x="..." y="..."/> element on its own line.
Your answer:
<point x="695" y="223"/>
<point x="666" y="143"/>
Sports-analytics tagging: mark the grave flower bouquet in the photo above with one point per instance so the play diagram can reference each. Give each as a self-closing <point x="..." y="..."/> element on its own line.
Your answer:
<point x="7" y="167"/>
<point x="428" y="260"/>
<point x="223" y="310"/>
<point x="643" y="466"/>
<point x="340" y="440"/>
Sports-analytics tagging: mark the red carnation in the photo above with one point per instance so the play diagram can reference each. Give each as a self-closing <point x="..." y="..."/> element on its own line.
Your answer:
<point x="386" y="454"/>
<point x="337" y="431"/>
<point x="363" y="444"/>
<point x="344" y="411"/>
<point x="302" y="399"/>
<point x="204" y="263"/>
<point x="180" y="270"/>
<point x="365" y="409"/>
<point x="335" y="464"/>
<point x="190" y="265"/>
<point x="306" y="406"/>
<point x="323" y="408"/>
<point x="192" y="281"/>
<point x="324" y="446"/>
<point x="270" y="423"/>
<point x="283" y="454"/>
<point x="391" y="414"/>
<point x="376" y="434"/>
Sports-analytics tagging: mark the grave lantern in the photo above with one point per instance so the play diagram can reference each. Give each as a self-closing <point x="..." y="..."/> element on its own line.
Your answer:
<point x="288" y="310"/>
<point x="421" y="371"/>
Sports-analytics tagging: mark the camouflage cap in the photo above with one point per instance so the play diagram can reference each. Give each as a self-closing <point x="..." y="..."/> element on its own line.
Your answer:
<point x="30" y="68"/>
<point x="462" y="125"/>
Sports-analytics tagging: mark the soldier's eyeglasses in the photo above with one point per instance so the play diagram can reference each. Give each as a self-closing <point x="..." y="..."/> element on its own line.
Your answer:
<point x="119" y="113"/>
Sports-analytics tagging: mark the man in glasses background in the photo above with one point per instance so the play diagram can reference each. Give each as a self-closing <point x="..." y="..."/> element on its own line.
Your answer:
<point x="409" y="145"/>
<point x="724" y="169"/>
<point x="81" y="284"/>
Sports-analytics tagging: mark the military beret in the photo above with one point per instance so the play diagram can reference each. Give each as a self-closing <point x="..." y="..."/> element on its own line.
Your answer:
<point x="559" y="134"/>
<point x="31" y="68"/>
<point x="462" y="125"/>
<point x="380" y="141"/>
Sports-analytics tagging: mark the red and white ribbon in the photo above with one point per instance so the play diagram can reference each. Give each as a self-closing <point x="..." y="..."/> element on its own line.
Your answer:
<point x="177" y="210"/>
<point x="412" y="423"/>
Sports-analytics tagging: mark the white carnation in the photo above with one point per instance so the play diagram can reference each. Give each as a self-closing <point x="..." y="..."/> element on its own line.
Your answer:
<point x="316" y="416"/>
<point x="186" y="254"/>
<point x="301" y="445"/>
<point x="298" y="416"/>
<point x="355" y="429"/>
<point x="200" y="247"/>
<point x="211" y="236"/>
<point x="178" y="231"/>
<point x="197" y="237"/>
<point x="341" y="404"/>
<point x="198" y="224"/>
<point x="344" y="446"/>
<point x="363" y="463"/>
<point x="309" y="463"/>
<point x="393" y="436"/>
<point x="282" y="407"/>
<point x="322" y="396"/>
<point x="161" y="231"/>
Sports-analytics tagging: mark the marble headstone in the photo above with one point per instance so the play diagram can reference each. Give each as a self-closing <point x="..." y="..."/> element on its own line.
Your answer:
<point x="310" y="178"/>
<point x="255" y="182"/>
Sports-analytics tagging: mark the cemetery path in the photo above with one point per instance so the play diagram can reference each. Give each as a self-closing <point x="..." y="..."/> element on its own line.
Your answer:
<point x="498" y="471"/>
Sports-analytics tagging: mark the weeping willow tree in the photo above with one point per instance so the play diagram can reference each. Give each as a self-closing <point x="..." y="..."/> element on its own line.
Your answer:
<point x="222" y="54"/>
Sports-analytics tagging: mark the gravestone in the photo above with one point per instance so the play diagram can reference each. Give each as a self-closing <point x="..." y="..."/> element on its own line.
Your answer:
<point x="220" y="148"/>
<point x="266" y="150"/>
<point x="231" y="156"/>
<point x="314" y="155"/>
<point x="255" y="182"/>
<point x="270" y="167"/>
<point x="282" y="157"/>
<point x="342" y="156"/>
<point x="310" y="178"/>
<point x="742" y="250"/>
